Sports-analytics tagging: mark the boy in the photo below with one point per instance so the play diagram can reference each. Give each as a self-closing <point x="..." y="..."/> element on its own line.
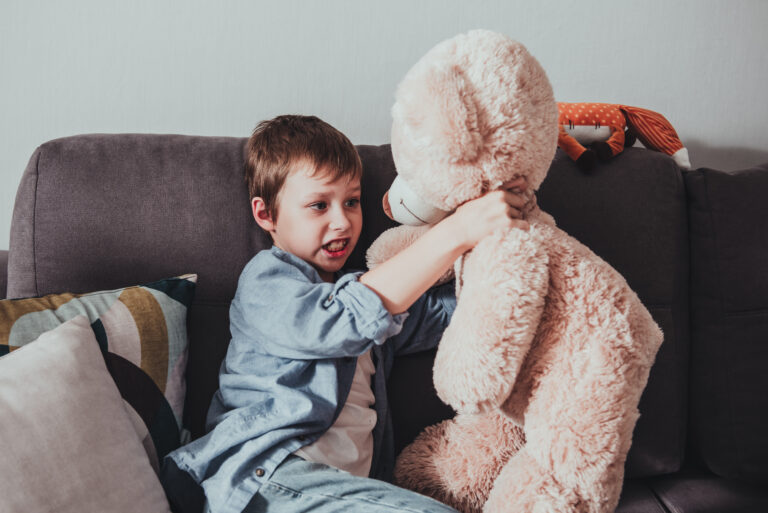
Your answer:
<point x="300" y="421"/>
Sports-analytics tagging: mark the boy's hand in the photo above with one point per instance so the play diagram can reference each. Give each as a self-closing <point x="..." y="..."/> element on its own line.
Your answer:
<point x="404" y="277"/>
<point x="501" y="209"/>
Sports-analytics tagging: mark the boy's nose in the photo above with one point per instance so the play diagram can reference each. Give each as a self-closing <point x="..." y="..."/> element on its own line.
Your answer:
<point x="340" y="221"/>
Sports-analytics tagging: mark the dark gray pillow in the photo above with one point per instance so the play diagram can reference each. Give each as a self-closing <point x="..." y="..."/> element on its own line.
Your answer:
<point x="728" y="216"/>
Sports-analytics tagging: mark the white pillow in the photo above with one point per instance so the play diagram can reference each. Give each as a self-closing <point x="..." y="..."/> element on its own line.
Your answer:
<point x="66" y="442"/>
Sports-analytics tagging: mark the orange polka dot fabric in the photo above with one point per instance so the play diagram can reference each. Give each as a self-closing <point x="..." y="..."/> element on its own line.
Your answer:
<point x="651" y="128"/>
<point x="591" y="114"/>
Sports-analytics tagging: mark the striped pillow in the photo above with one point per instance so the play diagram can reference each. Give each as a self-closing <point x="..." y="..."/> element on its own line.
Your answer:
<point x="142" y="333"/>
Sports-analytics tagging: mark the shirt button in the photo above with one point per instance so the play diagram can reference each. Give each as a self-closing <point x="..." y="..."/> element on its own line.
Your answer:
<point x="302" y="438"/>
<point x="259" y="472"/>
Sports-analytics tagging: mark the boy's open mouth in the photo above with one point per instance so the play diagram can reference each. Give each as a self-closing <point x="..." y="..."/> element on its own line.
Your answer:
<point x="336" y="247"/>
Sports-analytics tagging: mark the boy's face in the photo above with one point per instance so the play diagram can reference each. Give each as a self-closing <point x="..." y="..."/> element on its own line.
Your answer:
<point x="318" y="220"/>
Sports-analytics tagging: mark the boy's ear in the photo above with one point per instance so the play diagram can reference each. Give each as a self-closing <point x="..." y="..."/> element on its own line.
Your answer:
<point x="261" y="214"/>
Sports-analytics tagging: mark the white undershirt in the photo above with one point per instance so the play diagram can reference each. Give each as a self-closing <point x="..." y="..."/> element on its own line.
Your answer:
<point x="348" y="443"/>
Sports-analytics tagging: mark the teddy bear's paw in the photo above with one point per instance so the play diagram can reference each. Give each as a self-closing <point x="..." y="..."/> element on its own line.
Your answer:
<point x="469" y="372"/>
<point x="471" y="397"/>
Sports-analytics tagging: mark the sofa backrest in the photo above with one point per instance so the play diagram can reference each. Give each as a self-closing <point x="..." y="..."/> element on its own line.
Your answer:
<point x="97" y="212"/>
<point x="728" y="216"/>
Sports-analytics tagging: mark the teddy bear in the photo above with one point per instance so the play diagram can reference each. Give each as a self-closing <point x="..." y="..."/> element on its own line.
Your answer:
<point x="548" y="350"/>
<point x="608" y="128"/>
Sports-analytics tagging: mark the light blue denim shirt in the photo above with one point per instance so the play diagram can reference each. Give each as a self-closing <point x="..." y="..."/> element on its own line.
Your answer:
<point x="289" y="368"/>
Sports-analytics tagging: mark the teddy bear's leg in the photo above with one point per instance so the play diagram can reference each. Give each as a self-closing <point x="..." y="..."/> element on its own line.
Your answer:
<point x="578" y="426"/>
<point x="457" y="461"/>
<point x="566" y="469"/>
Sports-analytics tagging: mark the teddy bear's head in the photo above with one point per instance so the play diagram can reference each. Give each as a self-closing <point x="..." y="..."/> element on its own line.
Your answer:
<point x="475" y="112"/>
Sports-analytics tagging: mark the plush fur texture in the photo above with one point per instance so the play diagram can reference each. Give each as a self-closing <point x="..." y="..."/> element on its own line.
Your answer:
<point x="474" y="109"/>
<point x="549" y="349"/>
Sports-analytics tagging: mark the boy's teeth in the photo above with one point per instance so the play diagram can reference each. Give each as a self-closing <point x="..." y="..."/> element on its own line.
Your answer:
<point x="336" y="245"/>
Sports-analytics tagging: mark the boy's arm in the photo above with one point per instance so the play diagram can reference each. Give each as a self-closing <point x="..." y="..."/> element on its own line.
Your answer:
<point x="286" y="315"/>
<point x="403" y="278"/>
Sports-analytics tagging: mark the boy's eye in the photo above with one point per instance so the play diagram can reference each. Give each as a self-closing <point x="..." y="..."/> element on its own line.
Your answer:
<point x="320" y="205"/>
<point x="353" y="202"/>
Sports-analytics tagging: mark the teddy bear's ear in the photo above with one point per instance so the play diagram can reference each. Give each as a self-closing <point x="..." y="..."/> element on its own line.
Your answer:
<point x="436" y="110"/>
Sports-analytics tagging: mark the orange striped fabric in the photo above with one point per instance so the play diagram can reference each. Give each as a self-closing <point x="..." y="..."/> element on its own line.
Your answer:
<point x="653" y="129"/>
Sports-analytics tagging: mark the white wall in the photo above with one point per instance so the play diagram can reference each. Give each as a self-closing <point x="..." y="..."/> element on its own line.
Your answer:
<point x="216" y="68"/>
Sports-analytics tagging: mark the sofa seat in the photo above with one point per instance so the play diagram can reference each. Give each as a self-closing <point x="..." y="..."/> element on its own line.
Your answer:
<point x="692" y="491"/>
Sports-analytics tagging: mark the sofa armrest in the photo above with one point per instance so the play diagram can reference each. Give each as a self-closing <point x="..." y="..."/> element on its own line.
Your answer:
<point x="3" y="273"/>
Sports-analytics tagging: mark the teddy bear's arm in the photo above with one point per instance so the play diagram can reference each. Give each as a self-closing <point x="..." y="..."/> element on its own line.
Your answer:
<point x="504" y="283"/>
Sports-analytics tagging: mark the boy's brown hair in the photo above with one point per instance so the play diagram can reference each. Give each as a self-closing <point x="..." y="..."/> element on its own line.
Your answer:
<point x="278" y="144"/>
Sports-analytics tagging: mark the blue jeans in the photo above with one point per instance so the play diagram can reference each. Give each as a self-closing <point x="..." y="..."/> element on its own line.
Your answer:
<point x="298" y="485"/>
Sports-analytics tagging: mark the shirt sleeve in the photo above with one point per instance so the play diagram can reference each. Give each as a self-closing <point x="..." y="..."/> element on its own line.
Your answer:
<point x="290" y="316"/>
<point x="428" y="318"/>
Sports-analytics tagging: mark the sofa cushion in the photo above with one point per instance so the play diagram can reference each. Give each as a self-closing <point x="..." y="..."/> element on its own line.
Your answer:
<point x="67" y="442"/>
<point x="142" y="332"/>
<point x="729" y="320"/>
<point x="638" y="497"/>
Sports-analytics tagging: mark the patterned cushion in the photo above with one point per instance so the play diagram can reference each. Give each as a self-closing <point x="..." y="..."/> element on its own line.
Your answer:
<point x="143" y="336"/>
<point x="67" y="444"/>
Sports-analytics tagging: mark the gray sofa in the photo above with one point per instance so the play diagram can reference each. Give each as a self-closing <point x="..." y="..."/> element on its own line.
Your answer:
<point x="98" y="212"/>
